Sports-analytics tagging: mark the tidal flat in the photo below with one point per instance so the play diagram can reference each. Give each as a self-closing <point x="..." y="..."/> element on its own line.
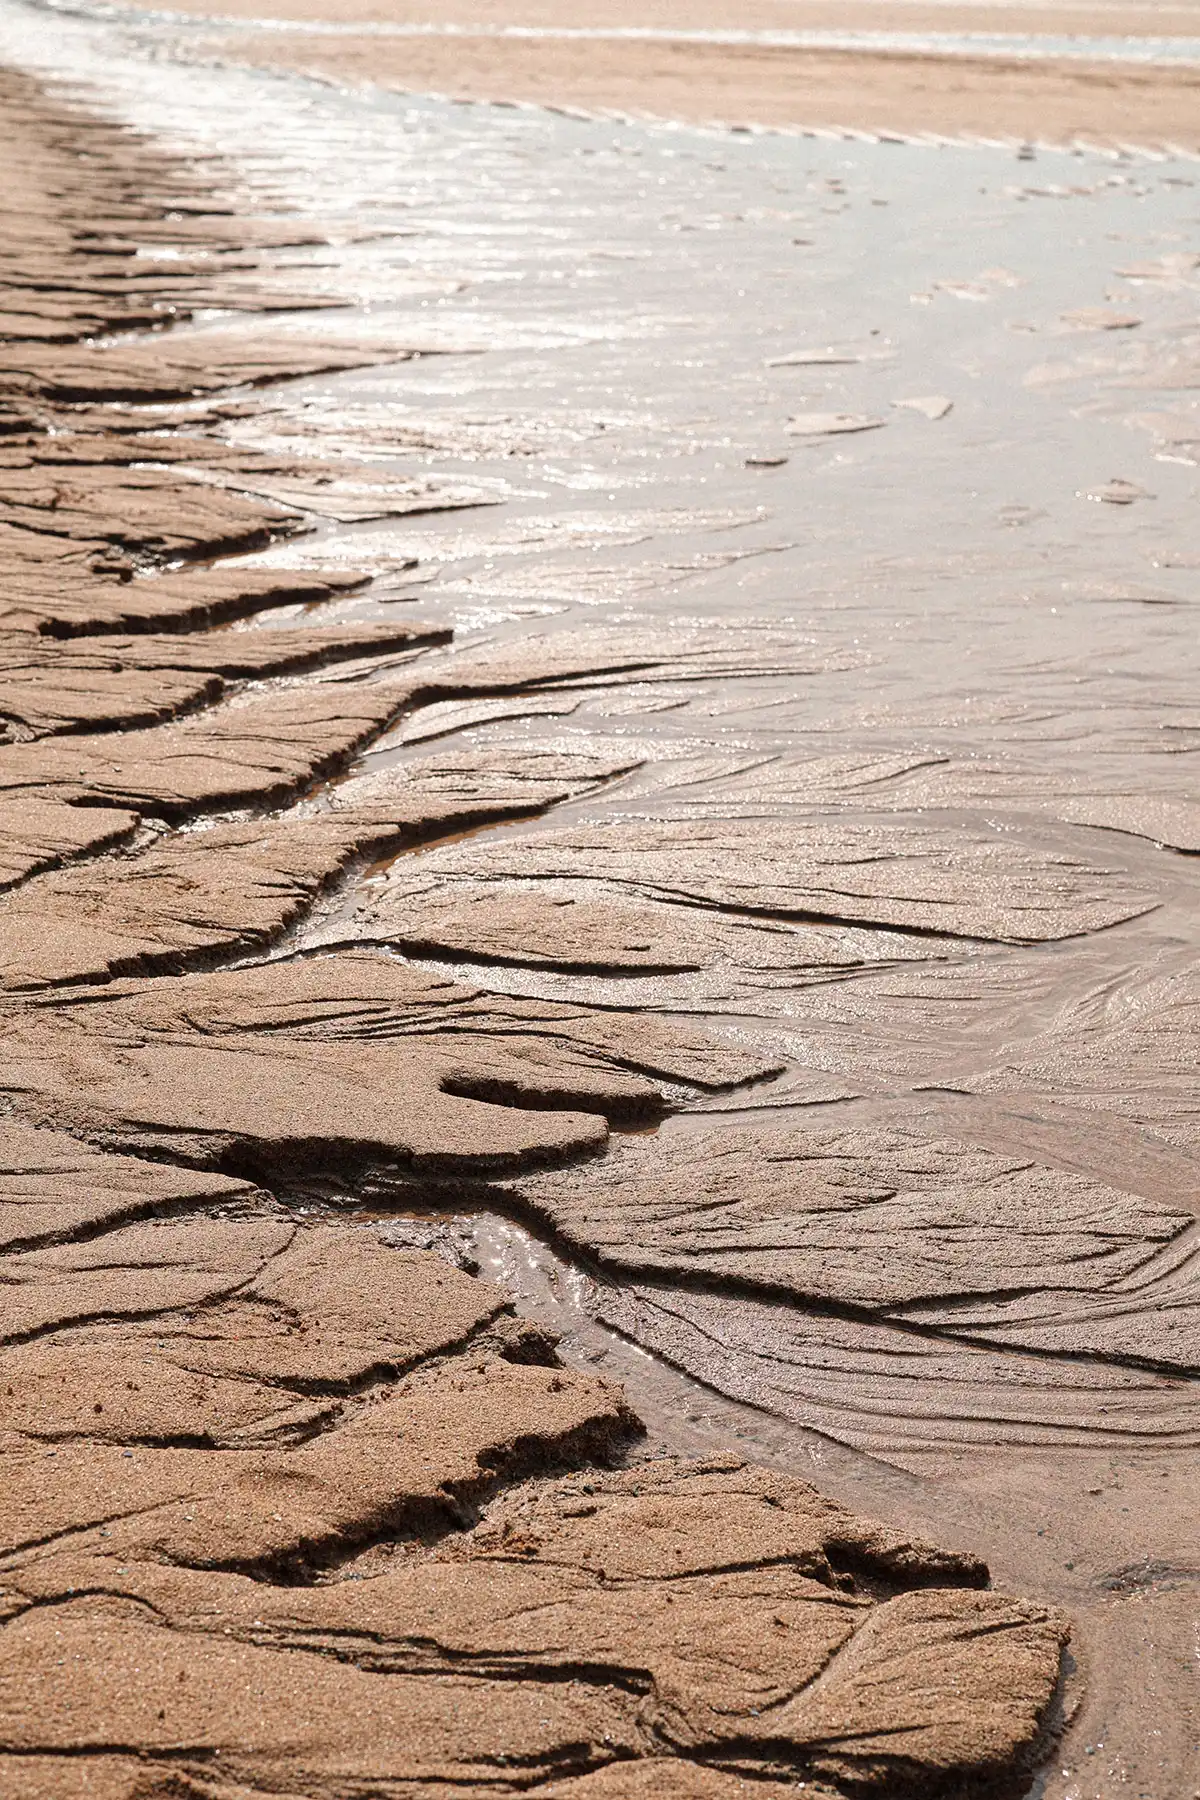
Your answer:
<point x="598" y="881"/>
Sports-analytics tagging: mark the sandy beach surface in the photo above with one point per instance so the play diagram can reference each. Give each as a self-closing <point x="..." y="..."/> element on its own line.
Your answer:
<point x="1050" y="73"/>
<point x="598" y="902"/>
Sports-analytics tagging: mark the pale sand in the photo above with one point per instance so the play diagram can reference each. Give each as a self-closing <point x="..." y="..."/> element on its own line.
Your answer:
<point x="1045" y="100"/>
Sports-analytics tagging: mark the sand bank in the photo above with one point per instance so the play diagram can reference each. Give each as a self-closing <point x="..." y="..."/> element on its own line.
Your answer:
<point x="1034" y="97"/>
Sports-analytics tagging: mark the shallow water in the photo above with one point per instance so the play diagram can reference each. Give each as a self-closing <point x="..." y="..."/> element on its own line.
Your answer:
<point x="617" y="324"/>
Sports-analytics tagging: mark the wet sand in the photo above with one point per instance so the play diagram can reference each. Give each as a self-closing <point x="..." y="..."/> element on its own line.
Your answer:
<point x="598" y="745"/>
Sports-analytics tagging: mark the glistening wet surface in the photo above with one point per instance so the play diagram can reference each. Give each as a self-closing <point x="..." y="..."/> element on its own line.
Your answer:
<point x="839" y="498"/>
